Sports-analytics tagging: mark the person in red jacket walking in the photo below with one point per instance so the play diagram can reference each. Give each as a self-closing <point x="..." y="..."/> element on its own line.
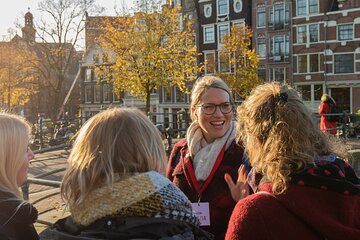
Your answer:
<point x="325" y="125"/>
<point x="306" y="190"/>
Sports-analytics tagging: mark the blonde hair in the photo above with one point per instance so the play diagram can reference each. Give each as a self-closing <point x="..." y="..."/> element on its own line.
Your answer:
<point x="325" y="97"/>
<point x="119" y="141"/>
<point x="279" y="133"/>
<point x="14" y="139"/>
<point x="201" y="86"/>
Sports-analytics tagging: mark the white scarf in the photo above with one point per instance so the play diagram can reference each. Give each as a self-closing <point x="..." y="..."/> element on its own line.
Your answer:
<point x="205" y="154"/>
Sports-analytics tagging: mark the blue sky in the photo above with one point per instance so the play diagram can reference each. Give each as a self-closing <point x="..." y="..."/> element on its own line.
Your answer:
<point x="15" y="10"/>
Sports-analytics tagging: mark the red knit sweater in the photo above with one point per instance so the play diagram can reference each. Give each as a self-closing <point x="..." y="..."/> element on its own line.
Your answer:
<point x="300" y="213"/>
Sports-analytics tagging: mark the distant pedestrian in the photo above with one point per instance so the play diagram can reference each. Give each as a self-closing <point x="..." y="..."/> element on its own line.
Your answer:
<point x="325" y="125"/>
<point x="16" y="215"/>
<point x="114" y="188"/>
<point x="307" y="190"/>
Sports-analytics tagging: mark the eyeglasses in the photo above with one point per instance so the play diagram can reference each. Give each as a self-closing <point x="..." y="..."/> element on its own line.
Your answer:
<point x="210" y="108"/>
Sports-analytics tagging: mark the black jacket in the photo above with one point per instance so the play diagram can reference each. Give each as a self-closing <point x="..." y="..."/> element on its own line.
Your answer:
<point x="125" y="229"/>
<point x="16" y="218"/>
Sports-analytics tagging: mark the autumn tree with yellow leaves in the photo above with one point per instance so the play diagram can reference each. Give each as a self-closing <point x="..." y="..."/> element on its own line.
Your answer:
<point x="152" y="48"/>
<point x="244" y="61"/>
<point x="16" y="75"/>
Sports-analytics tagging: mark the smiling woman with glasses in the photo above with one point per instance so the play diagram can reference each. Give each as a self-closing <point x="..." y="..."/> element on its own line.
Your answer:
<point x="204" y="164"/>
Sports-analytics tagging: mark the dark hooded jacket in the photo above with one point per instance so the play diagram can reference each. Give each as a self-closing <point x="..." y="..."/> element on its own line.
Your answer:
<point x="16" y="218"/>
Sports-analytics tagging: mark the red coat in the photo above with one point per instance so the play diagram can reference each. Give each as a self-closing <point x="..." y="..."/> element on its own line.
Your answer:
<point x="217" y="194"/>
<point x="323" y="204"/>
<point x="324" y="108"/>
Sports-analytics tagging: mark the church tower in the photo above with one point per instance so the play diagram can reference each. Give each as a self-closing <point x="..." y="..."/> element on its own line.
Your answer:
<point x="28" y="31"/>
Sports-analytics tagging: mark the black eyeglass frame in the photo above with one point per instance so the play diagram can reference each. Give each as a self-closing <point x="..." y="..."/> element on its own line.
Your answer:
<point x="216" y="106"/>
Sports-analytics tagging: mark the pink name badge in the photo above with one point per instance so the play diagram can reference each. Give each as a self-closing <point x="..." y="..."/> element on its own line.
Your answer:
<point x="201" y="210"/>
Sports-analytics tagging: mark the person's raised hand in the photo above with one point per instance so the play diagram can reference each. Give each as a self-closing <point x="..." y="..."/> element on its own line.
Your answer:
<point x="240" y="189"/>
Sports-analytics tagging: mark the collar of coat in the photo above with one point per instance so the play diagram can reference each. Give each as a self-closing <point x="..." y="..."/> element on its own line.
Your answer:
<point x="142" y="195"/>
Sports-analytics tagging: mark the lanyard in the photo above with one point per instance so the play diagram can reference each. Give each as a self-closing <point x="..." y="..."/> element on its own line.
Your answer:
<point x="190" y="173"/>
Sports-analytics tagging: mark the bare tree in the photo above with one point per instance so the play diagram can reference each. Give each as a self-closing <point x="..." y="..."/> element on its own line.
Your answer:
<point x="61" y="31"/>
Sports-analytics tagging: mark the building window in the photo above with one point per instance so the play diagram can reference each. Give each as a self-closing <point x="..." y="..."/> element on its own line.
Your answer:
<point x="223" y="30"/>
<point x="279" y="15"/>
<point x="262" y="74"/>
<point x="308" y="63"/>
<point x="302" y="64"/>
<point x="345" y="32"/>
<point x="279" y="45"/>
<point x="209" y="35"/>
<point x="180" y="96"/>
<point x="305" y="91"/>
<point x="318" y="91"/>
<point x="308" y="33"/>
<point x="301" y="34"/>
<point x="313" y="6"/>
<point x="207" y="10"/>
<point x="344" y="63"/>
<point x="307" y="7"/>
<point x="238" y="6"/>
<point x="97" y="93"/>
<point x="313" y="33"/>
<point x="261" y="47"/>
<point x="224" y="62"/>
<point x="222" y="7"/>
<point x="261" y="16"/>
<point x="167" y="94"/>
<point x="107" y="93"/>
<point x="180" y="22"/>
<point x="277" y="74"/>
<point x="88" y="95"/>
<point x="88" y="74"/>
<point x="209" y="63"/>
<point x="314" y="63"/>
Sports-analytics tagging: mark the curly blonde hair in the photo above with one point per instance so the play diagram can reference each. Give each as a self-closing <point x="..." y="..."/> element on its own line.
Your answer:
<point x="279" y="133"/>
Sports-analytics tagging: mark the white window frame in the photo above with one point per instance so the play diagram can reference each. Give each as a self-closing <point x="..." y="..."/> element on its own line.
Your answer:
<point x="354" y="63"/>
<point x="217" y="8"/>
<point x="307" y="7"/>
<point x="219" y="62"/>
<point x="307" y="34"/>
<point x="87" y="98"/>
<point x="205" y="64"/>
<point x="286" y="47"/>
<point x="204" y="33"/>
<point x="338" y="32"/>
<point x="273" y="74"/>
<point x="308" y="64"/>
<point x="88" y="75"/>
<point x="97" y="87"/>
<point x="285" y="13"/>
<point x="218" y="33"/>
<point x="262" y="6"/>
<point x="257" y="47"/>
<point x="106" y="87"/>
